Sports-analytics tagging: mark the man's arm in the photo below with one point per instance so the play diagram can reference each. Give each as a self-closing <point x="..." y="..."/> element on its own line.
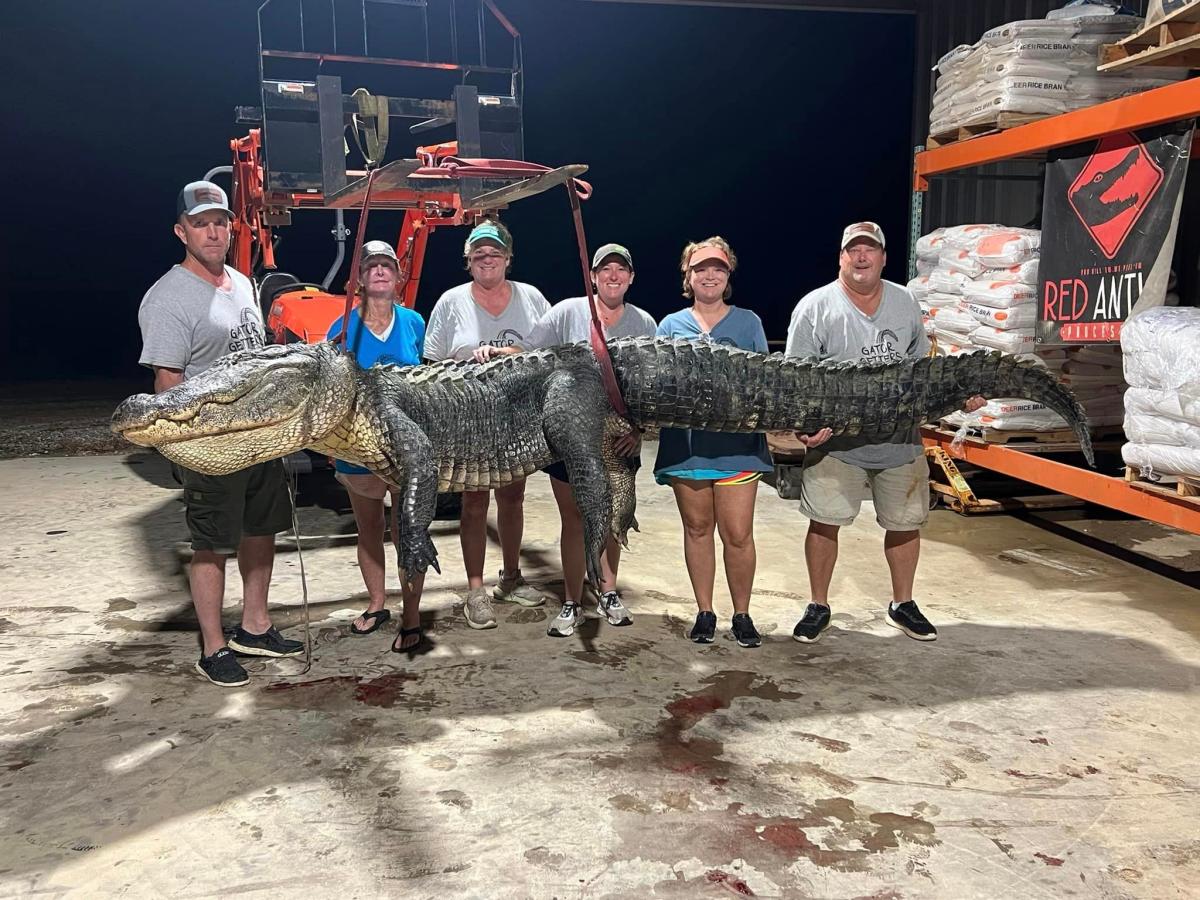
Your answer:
<point x="165" y="379"/>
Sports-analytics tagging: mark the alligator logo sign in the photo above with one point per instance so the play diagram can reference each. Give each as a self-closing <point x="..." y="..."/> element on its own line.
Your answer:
<point x="1110" y="211"/>
<point x="1113" y="190"/>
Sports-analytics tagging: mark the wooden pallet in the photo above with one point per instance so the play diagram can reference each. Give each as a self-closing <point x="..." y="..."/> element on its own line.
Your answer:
<point x="1060" y="441"/>
<point x="1179" y="485"/>
<point x="1173" y="40"/>
<point x="1003" y="121"/>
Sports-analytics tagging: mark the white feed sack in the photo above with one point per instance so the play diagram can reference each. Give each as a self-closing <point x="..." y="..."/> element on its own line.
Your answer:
<point x="1161" y="352"/>
<point x="1161" y="348"/>
<point x="1036" y="67"/>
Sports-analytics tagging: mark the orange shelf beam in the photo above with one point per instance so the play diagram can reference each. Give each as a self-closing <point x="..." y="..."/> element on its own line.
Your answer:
<point x="1164" y="104"/>
<point x="1103" y="490"/>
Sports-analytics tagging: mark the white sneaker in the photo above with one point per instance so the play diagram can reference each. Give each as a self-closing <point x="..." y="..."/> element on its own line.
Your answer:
<point x="563" y="625"/>
<point x="609" y="606"/>
<point x="478" y="609"/>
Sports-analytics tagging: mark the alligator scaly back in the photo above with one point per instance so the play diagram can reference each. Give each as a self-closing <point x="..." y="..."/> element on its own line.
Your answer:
<point x="688" y="384"/>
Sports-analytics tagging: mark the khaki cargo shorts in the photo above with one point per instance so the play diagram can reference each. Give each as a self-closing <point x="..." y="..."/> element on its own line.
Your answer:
<point x="832" y="492"/>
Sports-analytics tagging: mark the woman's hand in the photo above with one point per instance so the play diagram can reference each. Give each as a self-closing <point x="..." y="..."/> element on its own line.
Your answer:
<point x="814" y="440"/>
<point x="486" y="351"/>
<point x="628" y="444"/>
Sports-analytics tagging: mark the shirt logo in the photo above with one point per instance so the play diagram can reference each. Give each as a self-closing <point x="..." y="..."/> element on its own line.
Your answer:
<point x="884" y="350"/>
<point x="247" y="335"/>
<point x="506" y="338"/>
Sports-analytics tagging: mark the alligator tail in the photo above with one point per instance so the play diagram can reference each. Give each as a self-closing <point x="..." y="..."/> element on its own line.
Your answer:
<point x="687" y="384"/>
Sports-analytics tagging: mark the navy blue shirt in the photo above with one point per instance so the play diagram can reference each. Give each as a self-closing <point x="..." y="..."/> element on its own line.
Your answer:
<point x="683" y="448"/>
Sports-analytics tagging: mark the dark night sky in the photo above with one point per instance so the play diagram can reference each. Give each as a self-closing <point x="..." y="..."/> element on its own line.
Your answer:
<point x="772" y="128"/>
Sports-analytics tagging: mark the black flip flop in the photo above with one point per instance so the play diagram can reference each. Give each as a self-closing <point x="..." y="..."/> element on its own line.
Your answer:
<point x="378" y="618"/>
<point x="405" y="632"/>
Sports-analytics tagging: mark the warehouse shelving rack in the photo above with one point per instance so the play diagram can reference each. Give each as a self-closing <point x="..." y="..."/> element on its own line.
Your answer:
<point x="1155" y="107"/>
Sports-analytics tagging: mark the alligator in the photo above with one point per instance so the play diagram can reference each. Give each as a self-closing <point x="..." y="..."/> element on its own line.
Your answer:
<point x="464" y="426"/>
<point x="1089" y="197"/>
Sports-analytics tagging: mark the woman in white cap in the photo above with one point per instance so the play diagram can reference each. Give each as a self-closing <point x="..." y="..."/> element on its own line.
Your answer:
<point x="381" y="332"/>
<point x="476" y="321"/>
<point x="715" y="476"/>
<point x="566" y="323"/>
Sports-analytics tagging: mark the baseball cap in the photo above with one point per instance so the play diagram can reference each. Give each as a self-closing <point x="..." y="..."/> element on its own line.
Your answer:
<point x="611" y="250"/>
<point x="863" y="229"/>
<point x="486" y="231"/>
<point x="378" y="248"/>
<point x="201" y="196"/>
<point x="706" y="253"/>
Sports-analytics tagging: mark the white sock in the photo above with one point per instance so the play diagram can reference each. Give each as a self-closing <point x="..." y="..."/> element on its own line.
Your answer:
<point x="896" y="605"/>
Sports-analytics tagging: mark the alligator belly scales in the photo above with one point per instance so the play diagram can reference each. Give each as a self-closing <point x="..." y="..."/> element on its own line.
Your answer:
<point x="459" y="426"/>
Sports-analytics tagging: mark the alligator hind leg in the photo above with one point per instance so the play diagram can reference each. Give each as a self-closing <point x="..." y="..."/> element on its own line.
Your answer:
<point x="621" y="472"/>
<point x="573" y="422"/>
<point x="411" y="470"/>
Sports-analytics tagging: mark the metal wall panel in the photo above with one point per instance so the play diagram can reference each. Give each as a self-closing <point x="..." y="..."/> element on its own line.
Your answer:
<point x="1010" y="192"/>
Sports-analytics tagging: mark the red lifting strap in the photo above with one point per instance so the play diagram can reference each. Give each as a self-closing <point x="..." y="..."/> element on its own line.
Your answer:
<point x="599" y="345"/>
<point x="352" y="284"/>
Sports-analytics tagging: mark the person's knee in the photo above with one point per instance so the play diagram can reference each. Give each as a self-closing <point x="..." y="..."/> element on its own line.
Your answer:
<point x="698" y="531"/>
<point x="823" y="530"/>
<point x="737" y="537"/>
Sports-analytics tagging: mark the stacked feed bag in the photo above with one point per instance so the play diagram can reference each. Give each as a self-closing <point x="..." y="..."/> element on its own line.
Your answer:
<point x="1036" y="67"/>
<point x="1161" y="351"/>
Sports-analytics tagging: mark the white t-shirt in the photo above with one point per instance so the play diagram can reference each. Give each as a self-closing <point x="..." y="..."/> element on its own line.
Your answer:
<point x="458" y="324"/>
<point x="570" y="321"/>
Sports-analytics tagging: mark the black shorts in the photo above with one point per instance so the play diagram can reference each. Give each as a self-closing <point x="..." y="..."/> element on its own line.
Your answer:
<point x="222" y="509"/>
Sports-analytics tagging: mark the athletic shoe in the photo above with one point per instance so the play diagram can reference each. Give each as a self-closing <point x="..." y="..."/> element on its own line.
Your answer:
<point x="705" y="628"/>
<point x="609" y="606"/>
<point x="563" y="625"/>
<point x="909" y="619"/>
<point x="808" y="629"/>
<point x="515" y="589"/>
<point x="478" y="609"/>
<point x="223" y="669"/>
<point x="744" y="631"/>
<point x="269" y="643"/>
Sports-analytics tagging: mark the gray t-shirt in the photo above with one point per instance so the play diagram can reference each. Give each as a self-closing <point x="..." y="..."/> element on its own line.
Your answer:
<point x="458" y="324"/>
<point x="570" y="321"/>
<point x="826" y="326"/>
<point x="188" y="323"/>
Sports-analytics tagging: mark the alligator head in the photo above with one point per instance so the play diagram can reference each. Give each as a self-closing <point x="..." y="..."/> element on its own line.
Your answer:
<point x="1089" y="198"/>
<point x="248" y="408"/>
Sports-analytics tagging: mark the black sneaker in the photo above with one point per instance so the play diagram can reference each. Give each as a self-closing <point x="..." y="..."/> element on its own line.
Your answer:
<point x="223" y="669"/>
<point x="270" y="643"/>
<point x="808" y="629"/>
<point x="744" y="631"/>
<point x="908" y="619"/>
<point x="705" y="628"/>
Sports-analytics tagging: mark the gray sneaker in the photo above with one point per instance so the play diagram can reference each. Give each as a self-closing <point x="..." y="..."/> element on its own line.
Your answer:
<point x="478" y="609"/>
<point x="609" y="606"/>
<point x="515" y="589"/>
<point x="563" y="625"/>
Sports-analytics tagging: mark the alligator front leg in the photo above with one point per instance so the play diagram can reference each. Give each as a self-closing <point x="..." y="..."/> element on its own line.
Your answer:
<point x="621" y="473"/>
<point x="573" y="422"/>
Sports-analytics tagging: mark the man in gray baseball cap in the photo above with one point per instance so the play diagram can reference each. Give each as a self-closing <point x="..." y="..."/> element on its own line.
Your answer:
<point x="199" y="311"/>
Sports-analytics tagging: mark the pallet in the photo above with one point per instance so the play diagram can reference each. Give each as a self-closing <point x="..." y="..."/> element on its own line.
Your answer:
<point x="1002" y="122"/>
<point x="1173" y="40"/>
<point x="1178" y="485"/>
<point x="1060" y="441"/>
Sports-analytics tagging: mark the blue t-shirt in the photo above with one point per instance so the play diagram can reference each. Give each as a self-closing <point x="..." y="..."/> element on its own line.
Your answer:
<point x="402" y="347"/>
<point x="682" y="448"/>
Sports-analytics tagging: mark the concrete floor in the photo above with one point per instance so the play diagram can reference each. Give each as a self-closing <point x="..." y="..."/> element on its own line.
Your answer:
<point x="1043" y="747"/>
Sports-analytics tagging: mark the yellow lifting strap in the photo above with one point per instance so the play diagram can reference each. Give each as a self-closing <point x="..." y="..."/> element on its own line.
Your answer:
<point x="371" y="121"/>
